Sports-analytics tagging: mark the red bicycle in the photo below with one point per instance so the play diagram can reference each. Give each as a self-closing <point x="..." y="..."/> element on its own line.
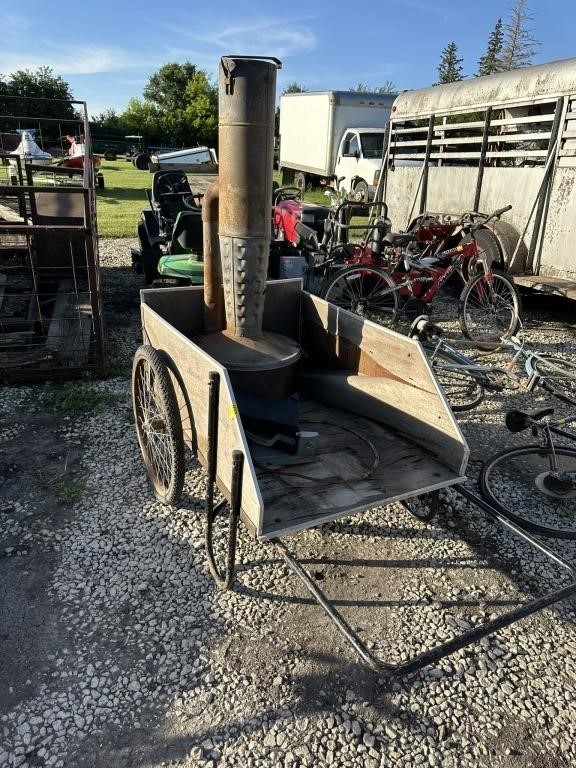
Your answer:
<point x="392" y="281"/>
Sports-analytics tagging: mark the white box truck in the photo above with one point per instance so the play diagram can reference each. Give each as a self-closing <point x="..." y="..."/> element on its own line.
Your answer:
<point x="333" y="133"/>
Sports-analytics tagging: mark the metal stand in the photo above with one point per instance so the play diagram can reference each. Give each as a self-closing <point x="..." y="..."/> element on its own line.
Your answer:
<point x="225" y="580"/>
<point x="444" y="649"/>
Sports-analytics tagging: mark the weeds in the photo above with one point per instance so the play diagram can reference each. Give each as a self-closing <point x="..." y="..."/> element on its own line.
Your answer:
<point x="67" y="488"/>
<point x="76" y="399"/>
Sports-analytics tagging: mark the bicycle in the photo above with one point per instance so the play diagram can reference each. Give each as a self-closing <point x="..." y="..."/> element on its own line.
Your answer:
<point x="489" y="306"/>
<point x="535" y="485"/>
<point x="465" y="380"/>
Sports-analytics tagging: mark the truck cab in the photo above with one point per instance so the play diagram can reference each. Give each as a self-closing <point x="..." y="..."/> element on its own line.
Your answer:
<point x="359" y="159"/>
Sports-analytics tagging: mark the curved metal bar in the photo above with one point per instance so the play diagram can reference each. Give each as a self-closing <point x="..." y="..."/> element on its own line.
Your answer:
<point x="466" y="638"/>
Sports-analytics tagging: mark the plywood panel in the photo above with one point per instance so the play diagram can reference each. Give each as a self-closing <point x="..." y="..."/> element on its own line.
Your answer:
<point x="359" y="464"/>
<point x="336" y="338"/>
<point x="193" y="367"/>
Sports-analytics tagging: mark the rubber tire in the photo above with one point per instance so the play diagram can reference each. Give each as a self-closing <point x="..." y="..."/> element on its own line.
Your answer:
<point x="167" y="489"/>
<point x="100" y="182"/>
<point x="110" y="155"/>
<point x="465" y="375"/>
<point x="141" y="161"/>
<point x="429" y="507"/>
<point x="466" y="297"/>
<point x="487" y="242"/>
<point x="300" y="181"/>
<point x="350" y="272"/>
<point x="552" y="388"/>
<point x="361" y="188"/>
<point x="489" y="496"/>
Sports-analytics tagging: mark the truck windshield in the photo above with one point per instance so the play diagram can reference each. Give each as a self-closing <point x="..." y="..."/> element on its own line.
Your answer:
<point x="372" y="144"/>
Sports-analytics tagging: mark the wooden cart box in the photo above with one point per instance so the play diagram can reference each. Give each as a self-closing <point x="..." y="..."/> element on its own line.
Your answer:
<point x="386" y="430"/>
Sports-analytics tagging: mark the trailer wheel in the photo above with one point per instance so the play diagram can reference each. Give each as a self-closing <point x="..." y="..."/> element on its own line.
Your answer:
<point x="361" y="191"/>
<point x="158" y="424"/>
<point x="300" y="181"/>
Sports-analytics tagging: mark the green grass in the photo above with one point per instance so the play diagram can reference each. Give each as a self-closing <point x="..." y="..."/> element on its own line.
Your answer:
<point x="75" y="399"/>
<point x="124" y="196"/>
<point x="120" y="202"/>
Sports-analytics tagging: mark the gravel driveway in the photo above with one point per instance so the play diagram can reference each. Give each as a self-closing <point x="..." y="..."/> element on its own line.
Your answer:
<point x="117" y="650"/>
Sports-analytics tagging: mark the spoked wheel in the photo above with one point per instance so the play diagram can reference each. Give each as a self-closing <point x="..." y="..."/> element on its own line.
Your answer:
<point x="366" y="291"/>
<point x="521" y="484"/>
<point x="489" y="308"/>
<point x="558" y="377"/>
<point x="158" y="424"/>
<point x="423" y="507"/>
<point x="462" y="389"/>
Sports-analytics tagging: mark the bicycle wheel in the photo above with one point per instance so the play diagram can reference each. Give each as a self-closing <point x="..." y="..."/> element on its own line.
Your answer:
<point x="558" y="377"/>
<point x="366" y="291"/>
<point x="158" y="424"/>
<point x="462" y="389"/>
<point x="520" y="484"/>
<point x="489" y="308"/>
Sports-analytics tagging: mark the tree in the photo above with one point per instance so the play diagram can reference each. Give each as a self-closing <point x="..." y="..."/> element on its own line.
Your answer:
<point x="180" y="107"/>
<point x="490" y="62"/>
<point x="294" y="87"/>
<point x="388" y="87"/>
<point x="519" y="44"/>
<point x="450" y="67"/>
<point x="26" y="84"/>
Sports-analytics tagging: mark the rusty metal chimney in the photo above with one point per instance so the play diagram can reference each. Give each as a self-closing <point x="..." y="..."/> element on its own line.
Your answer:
<point x="247" y="92"/>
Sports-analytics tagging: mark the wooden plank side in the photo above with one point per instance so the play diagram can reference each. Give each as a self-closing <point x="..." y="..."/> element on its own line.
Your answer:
<point x="183" y="307"/>
<point x="70" y="327"/>
<point x="193" y="367"/>
<point x="343" y="340"/>
<point x="389" y="402"/>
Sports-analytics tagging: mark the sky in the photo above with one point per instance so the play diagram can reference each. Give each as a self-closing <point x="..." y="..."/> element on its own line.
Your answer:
<point x="107" y="50"/>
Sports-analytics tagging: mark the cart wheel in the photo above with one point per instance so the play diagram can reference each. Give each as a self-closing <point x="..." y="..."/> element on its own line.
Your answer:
<point x="423" y="507"/>
<point x="158" y="424"/>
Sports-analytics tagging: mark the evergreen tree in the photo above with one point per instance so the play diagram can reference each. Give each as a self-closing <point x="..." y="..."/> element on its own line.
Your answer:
<point x="490" y="62"/>
<point x="450" y="67"/>
<point x="519" y="44"/>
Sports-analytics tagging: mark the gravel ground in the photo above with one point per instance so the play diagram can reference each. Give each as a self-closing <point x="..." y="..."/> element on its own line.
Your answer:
<point x="118" y="650"/>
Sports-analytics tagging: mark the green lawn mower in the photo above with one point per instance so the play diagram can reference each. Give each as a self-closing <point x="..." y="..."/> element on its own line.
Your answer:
<point x="170" y="233"/>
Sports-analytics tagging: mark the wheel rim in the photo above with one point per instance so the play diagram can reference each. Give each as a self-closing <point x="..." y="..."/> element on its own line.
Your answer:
<point x="154" y="435"/>
<point x="364" y="292"/>
<point x="558" y="376"/>
<point x="491" y="309"/>
<point x="521" y="484"/>
<point x="461" y="390"/>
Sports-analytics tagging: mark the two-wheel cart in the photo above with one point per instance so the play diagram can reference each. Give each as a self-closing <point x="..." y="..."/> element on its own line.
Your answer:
<point x="299" y="411"/>
<point x="384" y="433"/>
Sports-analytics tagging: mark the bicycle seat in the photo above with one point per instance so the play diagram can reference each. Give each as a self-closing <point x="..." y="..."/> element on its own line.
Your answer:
<point x="516" y="421"/>
<point x="393" y="238"/>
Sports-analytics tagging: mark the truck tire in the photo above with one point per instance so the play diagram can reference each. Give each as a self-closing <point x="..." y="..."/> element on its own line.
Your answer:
<point x="300" y="181"/>
<point x="361" y="191"/>
<point x="141" y="161"/>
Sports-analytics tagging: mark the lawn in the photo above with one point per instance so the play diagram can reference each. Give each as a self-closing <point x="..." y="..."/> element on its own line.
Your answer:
<point x="120" y="202"/>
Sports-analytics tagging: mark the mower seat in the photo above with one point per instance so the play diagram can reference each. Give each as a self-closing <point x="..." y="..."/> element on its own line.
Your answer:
<point x="187" y="235"/>
<point x="169" y="183"/>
